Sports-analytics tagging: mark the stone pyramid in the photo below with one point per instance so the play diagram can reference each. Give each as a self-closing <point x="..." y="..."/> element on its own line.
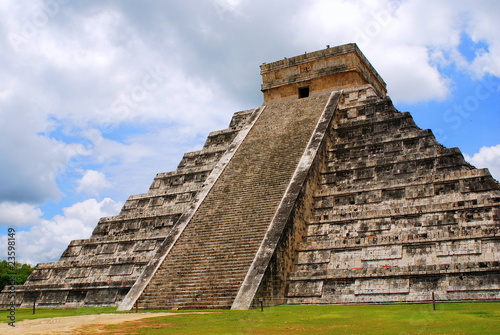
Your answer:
<point x="324" y="194"/>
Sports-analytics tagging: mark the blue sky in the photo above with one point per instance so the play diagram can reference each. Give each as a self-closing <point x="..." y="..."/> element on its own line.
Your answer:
<point x="96" y="97"/>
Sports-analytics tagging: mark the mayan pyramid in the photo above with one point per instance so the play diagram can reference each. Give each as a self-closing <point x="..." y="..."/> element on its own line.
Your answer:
<point x="324" y="194"/>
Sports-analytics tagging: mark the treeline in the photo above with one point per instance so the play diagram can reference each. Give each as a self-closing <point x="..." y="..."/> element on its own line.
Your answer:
<point x="19" y="274"/>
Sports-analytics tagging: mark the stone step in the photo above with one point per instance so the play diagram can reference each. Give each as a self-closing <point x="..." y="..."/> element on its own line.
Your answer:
<point x="402" y="197"/>
<point x="427" y="160"/>
<point x="380" y="144"/>
<point x="223" y="271"/>
<point x="180" y="294"/>
<point x="320" y="243"/>
<point x="327" y="215"/>
<point x="191" y="305"/>
<point x="384" y="271"/>
<point x="348" y="186"/>
<point x="202" y="161"/>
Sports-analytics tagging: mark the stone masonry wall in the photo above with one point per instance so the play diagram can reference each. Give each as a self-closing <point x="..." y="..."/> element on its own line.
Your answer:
<point x="384" y="213"/>
<point x="329" y="69"/>
<point x="397" y="216"/>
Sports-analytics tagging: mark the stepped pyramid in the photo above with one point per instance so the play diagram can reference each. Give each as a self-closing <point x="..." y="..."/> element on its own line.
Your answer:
<point x="324" y="194"/>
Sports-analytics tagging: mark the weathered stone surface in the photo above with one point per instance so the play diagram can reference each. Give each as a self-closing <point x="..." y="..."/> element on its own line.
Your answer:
<point x="396" y="215"/>
<point x="325" y="194"/>
<point x="324" y="70"/>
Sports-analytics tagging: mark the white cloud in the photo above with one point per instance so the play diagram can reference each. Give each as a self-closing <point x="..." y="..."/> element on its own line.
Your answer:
<point x="484" y="20"/>
<point x="31" y="161"/>
<point x="92" y="183"/>
<point x="418" y="82"/>
<point x="434" y="24"/>
<point x="390" y="37"/>
<point x="403" y="38"/>
<point x="487" y="157"/>
<point x="74" y="69"/>
<point x="18" y="214"/>
<point x="46" y="240"/>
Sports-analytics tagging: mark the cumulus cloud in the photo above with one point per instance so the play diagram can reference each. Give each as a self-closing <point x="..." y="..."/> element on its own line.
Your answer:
<point x="406" y="84"/>
<point x="92" y="183"/>
<point x="89" y="73"/>
<point x="18" y="214"/>
<point x="31" y="161"/>
<point x="402" y="39"/>
<point x="46" y="240"/>
<point x="487" y="157"/>
<point x="482" y="22"/>
<point x="388" y="33"/>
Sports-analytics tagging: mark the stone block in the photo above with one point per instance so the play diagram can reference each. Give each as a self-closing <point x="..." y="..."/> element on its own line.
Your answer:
<point x="305" y="289"/>
<point x="382" y="286"/>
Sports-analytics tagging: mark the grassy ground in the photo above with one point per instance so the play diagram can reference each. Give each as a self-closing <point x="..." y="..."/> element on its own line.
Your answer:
<point x="463" y="318"/>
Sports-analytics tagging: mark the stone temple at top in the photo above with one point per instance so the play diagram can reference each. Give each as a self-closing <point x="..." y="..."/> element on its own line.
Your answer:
<point x="325" y="194"/>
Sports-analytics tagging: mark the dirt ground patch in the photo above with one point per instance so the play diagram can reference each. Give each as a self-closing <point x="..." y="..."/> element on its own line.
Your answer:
<point x="123" y="328"/>
<point x="83" y="324"/>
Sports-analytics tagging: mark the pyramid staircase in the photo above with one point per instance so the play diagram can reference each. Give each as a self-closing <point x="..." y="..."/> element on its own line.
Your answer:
<point x="210" y="259"/>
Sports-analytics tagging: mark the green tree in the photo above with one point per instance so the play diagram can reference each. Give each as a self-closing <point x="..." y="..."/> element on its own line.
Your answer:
<point x="19" y="274"/>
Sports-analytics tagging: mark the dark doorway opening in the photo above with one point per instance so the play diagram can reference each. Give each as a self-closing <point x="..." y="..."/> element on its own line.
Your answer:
<point x="303" y="92"/>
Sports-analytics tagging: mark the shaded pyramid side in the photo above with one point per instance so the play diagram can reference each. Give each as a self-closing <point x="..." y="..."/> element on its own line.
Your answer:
<point x="396" y="216"/>
<point x="100" y="270"/>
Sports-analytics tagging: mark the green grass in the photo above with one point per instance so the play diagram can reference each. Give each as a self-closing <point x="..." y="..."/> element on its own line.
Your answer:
<point x="473" y="318"/>
<point x="455" y="318"/>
